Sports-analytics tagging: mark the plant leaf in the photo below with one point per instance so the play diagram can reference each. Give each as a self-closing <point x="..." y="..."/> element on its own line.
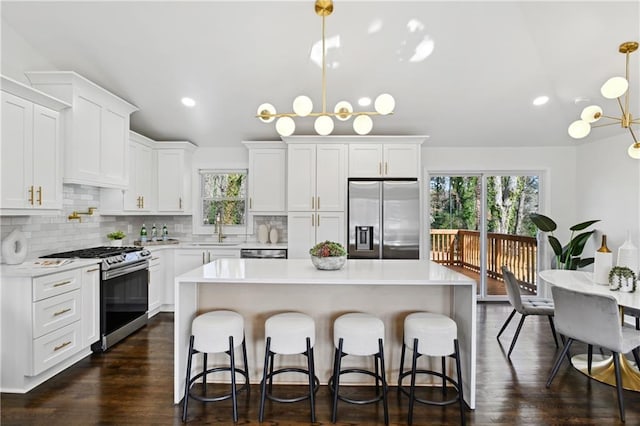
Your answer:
<point x="555" y="245"/>
<point x="544" y="223"/>
<point x="583" y="225"/>
<point x="573" y="263"/>
<point x="585" y="262"/>
<point x="577" y="244"/>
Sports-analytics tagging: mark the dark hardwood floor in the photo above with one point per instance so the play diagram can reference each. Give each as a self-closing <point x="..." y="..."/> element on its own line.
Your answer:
<point x="132" y="384"/>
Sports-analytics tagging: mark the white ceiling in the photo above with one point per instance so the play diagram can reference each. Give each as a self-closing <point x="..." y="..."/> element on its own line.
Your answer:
<point x="490" y="60"/>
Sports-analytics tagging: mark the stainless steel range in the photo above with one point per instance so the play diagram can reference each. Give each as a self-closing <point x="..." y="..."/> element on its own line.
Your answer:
<point x="124" y="290"/>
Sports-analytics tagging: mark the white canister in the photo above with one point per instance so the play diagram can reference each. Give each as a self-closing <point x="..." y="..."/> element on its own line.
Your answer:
<point x="628" y="255"/>
<point x="602" y="263"/>
<point x="273" y="236"/>
<point x="263" y="234"/>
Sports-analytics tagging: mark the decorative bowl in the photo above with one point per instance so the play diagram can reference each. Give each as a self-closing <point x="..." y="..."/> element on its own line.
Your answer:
<point x="330" y="263"/>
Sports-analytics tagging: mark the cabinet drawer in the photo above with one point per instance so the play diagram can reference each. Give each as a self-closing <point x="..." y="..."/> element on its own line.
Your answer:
<point x="55" y="312"/>
<point x="55" y="347"/>
<point x="54" y="284"/>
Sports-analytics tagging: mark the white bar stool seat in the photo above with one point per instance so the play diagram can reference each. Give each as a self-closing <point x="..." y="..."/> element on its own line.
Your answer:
<point x="359" y="334"/>
<point x="289" y="333"/>
<point x="436" y="335"/>
<point x="216" y="332"/>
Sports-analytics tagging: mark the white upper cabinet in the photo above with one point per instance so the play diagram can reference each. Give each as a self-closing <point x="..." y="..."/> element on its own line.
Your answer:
<point x="267" y="177"/>
<point x="139" y="194"/>
<point x="316" y="177"/>
<point x="389" y="160"/>
<point x="173" y="162"/>
<point x="31" y="158"/>
<point x="96" y="129"/>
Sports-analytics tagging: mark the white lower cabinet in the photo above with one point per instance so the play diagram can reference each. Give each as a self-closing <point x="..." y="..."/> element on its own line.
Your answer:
<point x="187" y="259"/>
<point x="305" y="229"/>
<point x="48" y="323"/>
<point x="157" y="282"/>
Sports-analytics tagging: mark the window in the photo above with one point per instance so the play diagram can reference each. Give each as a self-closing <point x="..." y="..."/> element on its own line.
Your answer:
<point x="223" y="192"/>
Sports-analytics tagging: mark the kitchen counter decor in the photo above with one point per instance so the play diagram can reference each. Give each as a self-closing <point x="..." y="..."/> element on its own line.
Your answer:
<point x="623" y="279"/>
<point x="328" y="256"/>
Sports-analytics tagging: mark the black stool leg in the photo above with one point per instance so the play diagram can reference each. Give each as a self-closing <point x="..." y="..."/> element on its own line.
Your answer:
<point x="204" y="374"/>
<point x="312" y="380"/>
<point x="185" y="400"/>
<point x="459" y="372"/>
<point x="246" y="363"/>
<point x="263" y="384"/>
<point x="377" y="374"/>
<point x="589" y="358"/>
<point x="412" y="388"/>
<point x="384" y="382"/>
<point x="272" y="355"/>
<point x="444" y="373"/>
<point x="234" y="398"/>
<point x="336" y="381"/>
<point x="401" y="365"/>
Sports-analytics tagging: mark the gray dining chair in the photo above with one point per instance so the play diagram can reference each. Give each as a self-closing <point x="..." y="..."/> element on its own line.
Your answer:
<point x="593" y="319"/>
<point x="525" y="307"/>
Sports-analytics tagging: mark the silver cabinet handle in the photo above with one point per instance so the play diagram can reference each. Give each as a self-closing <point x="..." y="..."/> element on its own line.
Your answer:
<point x="55" y="314"/>
<point x="57" y="348"/>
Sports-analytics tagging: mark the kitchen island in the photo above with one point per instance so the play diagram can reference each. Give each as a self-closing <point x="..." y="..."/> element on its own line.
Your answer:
<point x="389" y="289"/>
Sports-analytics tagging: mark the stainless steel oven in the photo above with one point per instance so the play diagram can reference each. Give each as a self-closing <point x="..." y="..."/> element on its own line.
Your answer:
<point x="124" y="290"/>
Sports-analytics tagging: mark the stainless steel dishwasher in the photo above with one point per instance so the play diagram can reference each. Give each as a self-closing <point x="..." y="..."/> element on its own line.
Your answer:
<point x="263" y="253"/>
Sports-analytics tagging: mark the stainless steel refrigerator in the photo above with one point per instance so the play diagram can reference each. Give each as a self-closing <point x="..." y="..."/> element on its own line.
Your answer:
<point x="384" y="219"/>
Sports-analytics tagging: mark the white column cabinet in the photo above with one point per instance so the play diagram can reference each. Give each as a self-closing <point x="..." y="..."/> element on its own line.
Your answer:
<point x="391" y="160"/>
<point x="96" y="129"/>
<point x="31" y="157"/>
<point x="267" y="177"/>
<point x="316" y="193"/>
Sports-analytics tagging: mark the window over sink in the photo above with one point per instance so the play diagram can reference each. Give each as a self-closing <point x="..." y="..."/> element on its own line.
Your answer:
<point x="224" y="193"/>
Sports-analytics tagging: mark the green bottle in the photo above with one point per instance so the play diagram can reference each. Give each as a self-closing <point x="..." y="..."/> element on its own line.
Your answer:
<point x="165" y="232"/>
<point x="143" y="234"/>
<point x="154" y="233"/>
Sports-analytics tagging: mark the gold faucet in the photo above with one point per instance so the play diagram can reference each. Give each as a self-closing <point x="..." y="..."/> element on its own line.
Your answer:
<point x="218" y="228"/>
<point x="76" y="214"/>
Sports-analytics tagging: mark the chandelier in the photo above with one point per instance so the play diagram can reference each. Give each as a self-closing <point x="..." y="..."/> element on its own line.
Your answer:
<point x="303" y="106"/>
<point x="614" y="88"/>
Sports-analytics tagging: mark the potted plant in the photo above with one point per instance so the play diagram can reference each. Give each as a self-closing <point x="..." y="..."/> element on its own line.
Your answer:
<point x="568" y="256"/>
<point x="328" y="255"/>
<point x="116" y="238"/>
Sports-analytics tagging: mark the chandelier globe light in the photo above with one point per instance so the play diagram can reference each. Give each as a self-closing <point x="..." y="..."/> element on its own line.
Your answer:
<point x="613" y="88"/>
<point x="324" y="121"/>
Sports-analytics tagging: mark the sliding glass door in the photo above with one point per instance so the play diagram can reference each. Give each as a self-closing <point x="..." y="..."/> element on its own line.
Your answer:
<point x="480" y="222"/>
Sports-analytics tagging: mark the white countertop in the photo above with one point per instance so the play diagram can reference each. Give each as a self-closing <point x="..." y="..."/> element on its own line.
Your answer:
<point x="302" y="272"/>
<point x="31" y="268"/>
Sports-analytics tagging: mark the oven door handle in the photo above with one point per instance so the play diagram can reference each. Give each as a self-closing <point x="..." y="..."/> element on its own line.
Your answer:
<point x="113" y="273"/>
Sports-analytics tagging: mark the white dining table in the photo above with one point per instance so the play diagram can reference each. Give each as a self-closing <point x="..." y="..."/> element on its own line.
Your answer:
<point x="602" y="368"/>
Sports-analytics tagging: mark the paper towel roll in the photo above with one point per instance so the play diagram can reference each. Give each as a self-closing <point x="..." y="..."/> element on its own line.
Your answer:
<point x="14" y="248"/>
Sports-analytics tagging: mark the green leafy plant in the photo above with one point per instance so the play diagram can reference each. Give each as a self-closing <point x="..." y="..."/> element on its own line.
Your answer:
<point x="328" y="249"/>
<point x="568" y="256"/>
<point x="116" y="235"/>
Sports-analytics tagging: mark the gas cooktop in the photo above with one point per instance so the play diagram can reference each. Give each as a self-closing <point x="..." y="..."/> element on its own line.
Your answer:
<point x="94" y="252"/>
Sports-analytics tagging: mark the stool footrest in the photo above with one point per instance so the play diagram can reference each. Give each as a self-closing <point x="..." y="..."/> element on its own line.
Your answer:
<point x="240" y="388"/>
<point x="271" y="397"/>
<point x="404" y="390"/>
<point x="378" y="397"/>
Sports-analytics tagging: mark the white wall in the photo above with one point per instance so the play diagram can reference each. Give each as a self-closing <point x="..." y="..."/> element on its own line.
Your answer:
<point x="608" y="188"/>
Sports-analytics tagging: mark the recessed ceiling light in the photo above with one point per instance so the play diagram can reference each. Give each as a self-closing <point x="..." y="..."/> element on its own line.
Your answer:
<point x="540" y="100"/>
<point x="188" y="102"/>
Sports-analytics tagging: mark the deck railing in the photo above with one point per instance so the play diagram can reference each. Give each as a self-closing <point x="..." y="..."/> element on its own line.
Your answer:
<point x="460" y="247"/>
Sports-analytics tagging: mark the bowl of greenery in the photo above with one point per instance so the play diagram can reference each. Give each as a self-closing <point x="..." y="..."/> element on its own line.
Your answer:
<point x="328" y="255"/>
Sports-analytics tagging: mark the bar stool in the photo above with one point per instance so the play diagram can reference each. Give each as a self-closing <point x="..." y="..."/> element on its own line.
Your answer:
<point x="216" y="332"/>
<point x="289" y="333"/>
<point x="359" y="334"/>
<point x="431" y="334"/>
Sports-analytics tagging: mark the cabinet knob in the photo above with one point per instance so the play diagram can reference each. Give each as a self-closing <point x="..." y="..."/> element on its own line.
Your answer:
<point x="312" y="224"/>
<point x="318" y="220"/>
<point x="380" y="168"/>
<point x="180" y="202"/>
<point x="39" y="195"/>
<point x="386" y="168"/>
<point x="31" y="194"/>
<point x="250" y="203"/>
